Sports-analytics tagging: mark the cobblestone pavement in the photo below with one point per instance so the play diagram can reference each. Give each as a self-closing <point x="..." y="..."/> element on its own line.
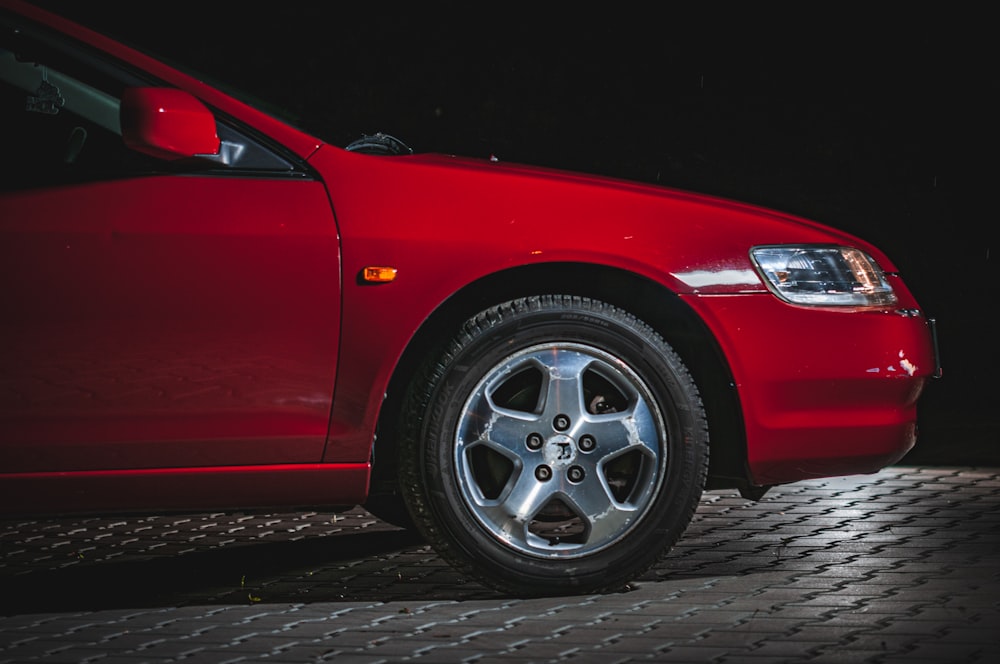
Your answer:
<point x="900" y="566"/>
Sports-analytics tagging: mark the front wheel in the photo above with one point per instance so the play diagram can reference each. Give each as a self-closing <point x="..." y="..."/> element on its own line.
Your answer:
<point x="558" y="445"/>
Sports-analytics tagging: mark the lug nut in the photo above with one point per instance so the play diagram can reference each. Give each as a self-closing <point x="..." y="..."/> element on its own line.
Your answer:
<point x="575" y="474"/>
<point x="587" y="443"/>
<point x="535" y="441"/>
<point x="543" y="473"/>
<point x="561" y="422"/>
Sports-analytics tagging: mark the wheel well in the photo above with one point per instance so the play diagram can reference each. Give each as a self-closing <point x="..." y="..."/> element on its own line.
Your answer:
<point x="647" y="300"/>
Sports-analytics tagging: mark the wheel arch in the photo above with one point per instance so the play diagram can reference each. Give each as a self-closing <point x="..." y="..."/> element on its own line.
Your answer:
<point x="652" y="302"/>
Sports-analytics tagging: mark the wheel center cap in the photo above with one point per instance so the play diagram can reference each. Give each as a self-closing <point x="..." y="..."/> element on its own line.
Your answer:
<point x="559" y="450"/>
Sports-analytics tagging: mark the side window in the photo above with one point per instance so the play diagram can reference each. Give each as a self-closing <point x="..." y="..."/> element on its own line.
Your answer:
<point x="59" y="120"/>
<point x="57" y="126"/>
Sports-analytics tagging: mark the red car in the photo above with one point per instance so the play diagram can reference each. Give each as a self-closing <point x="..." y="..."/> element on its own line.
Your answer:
<point x="206" y="308"/>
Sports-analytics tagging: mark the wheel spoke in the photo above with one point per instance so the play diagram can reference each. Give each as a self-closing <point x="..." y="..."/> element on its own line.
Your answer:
<point x="564" y="393"/>
<point x="605" y="518"/>
<point x="613" y="434"/>
<point x="512" y="514"/>
<point x="503" y="430"/>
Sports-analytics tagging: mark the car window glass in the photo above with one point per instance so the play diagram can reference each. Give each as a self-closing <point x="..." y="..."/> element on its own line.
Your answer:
<point x="56" y="126"/>
<point x="59" y="119"/>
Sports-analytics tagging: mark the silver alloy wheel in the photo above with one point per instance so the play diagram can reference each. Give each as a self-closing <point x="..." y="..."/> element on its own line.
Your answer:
<point x="559" y="450"/>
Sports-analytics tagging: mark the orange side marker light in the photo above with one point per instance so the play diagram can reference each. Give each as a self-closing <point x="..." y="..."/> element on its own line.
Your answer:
<point x="376" y="274"/>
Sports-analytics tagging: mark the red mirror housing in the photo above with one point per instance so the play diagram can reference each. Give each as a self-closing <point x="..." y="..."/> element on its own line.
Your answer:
<point x="167" y="123"/>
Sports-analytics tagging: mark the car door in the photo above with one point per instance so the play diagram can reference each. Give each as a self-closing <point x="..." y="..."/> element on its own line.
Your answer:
<point x="154" y="314"/>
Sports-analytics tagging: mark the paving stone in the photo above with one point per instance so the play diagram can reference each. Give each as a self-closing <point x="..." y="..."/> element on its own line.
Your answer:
<point x="899" y="565"/>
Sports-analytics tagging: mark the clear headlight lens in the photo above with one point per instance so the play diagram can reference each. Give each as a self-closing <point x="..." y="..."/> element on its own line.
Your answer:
<point x="823" y="275"/>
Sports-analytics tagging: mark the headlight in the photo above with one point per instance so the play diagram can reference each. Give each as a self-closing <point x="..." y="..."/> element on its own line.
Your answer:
<point x="823" y="275"/>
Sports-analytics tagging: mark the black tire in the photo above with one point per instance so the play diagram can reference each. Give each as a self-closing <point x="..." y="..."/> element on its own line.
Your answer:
<point x="557" y="446"/>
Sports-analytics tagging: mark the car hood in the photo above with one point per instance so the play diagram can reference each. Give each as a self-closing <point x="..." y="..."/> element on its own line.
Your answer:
<point x="520" y="184"/>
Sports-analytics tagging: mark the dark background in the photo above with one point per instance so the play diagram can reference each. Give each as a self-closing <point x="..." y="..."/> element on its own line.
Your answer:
<point x="881" y="123"/>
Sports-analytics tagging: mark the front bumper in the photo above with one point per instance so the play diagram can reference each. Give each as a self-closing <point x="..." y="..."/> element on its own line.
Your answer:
<point x="824" y="392"/>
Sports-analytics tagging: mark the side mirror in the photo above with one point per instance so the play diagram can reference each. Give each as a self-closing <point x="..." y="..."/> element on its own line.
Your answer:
<point x="167" y="123"/>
